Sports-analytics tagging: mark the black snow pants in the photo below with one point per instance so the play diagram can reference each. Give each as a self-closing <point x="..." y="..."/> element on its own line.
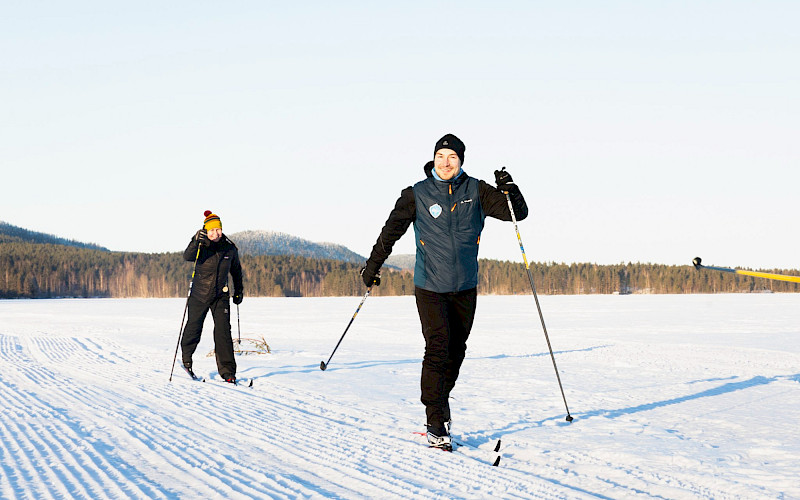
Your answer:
<point x="446" y="323"/>
<point x="223" y="344"/>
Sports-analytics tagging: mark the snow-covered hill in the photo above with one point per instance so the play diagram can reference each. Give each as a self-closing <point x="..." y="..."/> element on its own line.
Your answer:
<point x="673" y="397"/>
<point x="11" y="233"/>
<point x="276" y="243"/>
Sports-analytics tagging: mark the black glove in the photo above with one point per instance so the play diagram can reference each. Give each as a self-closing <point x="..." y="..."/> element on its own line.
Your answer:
<point x="428" y="168"/>
<point x="202" y="238"/>
<point x="238" y="296"/>
<point x="503" y="179"/>
<point x="371" y="274"/>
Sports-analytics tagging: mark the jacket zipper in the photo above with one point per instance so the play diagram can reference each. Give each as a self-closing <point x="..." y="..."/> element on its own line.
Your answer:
<point x="453" y="248"/>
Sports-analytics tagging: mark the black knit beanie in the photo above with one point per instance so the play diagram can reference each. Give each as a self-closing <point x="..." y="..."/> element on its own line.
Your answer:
<point x="450" y="141"/>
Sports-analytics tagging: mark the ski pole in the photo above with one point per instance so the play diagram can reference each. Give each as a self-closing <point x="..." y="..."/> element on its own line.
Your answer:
<point x="322" y="364"/>
<point x="186" y="308"/>
<point x="239" y="328"/>
<point x="780" y="277"/>
<point x="538" y="307"/>
<point x="238" y="324"/>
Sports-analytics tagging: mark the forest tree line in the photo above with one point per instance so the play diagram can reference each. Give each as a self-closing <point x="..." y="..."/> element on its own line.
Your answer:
<point x="36" y="270"/>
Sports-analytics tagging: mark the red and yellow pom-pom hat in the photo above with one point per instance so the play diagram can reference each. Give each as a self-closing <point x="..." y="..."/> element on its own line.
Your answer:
<point x="212" y="221"/>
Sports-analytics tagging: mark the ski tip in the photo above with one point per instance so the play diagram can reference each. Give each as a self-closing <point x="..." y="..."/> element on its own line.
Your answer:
<point x="322" y="365"/>
<point x="250" y="384"/>
<point x="497" y="446"/>
<point x="697" y="262"/>
<point x="496" y="462"/>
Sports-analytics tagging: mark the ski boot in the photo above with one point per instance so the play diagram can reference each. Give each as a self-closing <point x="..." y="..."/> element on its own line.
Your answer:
<point x="439" y="437"/>
<point x="187" y="367"/>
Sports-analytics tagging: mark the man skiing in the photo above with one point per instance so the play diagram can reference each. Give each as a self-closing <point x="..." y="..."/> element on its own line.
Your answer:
<point x="216" y="257"/>
<point x="447" y="209"/>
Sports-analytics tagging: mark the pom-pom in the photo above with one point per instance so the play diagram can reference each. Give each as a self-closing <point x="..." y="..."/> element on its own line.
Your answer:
<point x="207" y="213"/>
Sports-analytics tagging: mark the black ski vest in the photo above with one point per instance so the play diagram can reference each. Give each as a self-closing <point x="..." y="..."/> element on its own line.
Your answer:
<point x="448" y="229"/>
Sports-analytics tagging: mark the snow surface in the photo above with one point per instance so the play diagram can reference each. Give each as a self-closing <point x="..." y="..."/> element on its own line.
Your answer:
<point x="684" y="396"/>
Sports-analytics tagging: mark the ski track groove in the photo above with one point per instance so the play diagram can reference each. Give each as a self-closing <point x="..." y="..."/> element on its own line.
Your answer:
<point x="361" y="417"/>
<point x="56" y="452"/>
<point x="405" y="447"/>
<point x="89" y="398"/>
<point x="50" y="456"/>
<point x="289" y="443"/>
<point x="367" y="477"/>
<point x="52" y="443"/>
<point x="148" y="436"/>
<point x="321" y="454"/>
<point x="150" y="440"/>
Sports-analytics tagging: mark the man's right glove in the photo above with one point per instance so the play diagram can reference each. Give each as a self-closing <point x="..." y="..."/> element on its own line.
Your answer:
<point x="202" y="238"/>
<point x="371" y="274"/>
<point x="503" y="180"/>
<point x="428" y="168"/>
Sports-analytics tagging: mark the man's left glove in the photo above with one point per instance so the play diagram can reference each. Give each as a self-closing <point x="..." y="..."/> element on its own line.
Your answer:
<point x="371" y="274"/>
<point x="238" y="296"/>
<point x="503" y="180"/>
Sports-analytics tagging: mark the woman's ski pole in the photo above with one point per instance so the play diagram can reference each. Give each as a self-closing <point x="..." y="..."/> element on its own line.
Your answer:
<point x="238" y="326"/>
<point x="538" y="307"/>
<point x="186" y="308"/>
<point x="322" y="364"/>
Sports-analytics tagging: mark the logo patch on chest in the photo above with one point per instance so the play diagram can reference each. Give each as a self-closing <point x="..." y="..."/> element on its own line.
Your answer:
<point x="435" y="210"/>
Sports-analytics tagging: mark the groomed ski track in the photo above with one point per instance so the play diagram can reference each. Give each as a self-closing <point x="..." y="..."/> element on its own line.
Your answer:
<point x="673" y="397"/>
<point x="81" y="421"/>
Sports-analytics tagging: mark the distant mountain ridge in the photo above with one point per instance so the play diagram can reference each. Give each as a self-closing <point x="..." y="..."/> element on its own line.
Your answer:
<point x="251" y="242"/>
<point x="261" y="242"/>
<point x="11" y="233"/>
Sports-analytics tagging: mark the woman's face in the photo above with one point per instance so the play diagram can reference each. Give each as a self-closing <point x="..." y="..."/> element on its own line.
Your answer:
<point x="214" y="234"/>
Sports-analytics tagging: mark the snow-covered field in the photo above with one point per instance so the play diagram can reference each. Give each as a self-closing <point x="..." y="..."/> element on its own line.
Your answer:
<point x="673" y="397"/>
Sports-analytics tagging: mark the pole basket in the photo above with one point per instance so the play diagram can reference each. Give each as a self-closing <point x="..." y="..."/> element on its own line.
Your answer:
<point x="247" y="346"/>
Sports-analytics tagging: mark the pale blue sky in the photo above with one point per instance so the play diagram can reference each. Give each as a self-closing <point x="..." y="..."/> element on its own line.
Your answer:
<point x="638" y="131"/>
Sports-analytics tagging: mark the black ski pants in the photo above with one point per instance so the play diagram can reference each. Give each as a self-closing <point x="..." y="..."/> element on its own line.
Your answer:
<point x="223" y="344"/>
<point x="446" y="323"/>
